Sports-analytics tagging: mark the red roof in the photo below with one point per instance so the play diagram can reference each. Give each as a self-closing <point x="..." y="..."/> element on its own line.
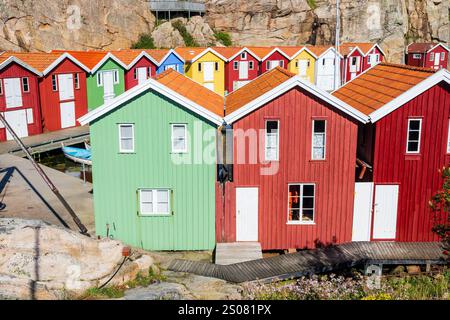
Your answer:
<point x="380" y="85"/>
<point x="421" y="47"/>
<point x="37" y="60"/>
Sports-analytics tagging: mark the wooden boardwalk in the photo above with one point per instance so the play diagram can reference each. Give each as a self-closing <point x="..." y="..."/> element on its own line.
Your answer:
<point x="307" y="262"/>
<point x="47" y="141"/>
<point x="231" y="253"/>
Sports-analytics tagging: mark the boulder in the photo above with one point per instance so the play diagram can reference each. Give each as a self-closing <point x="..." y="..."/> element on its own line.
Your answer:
<point x="43" y="261"/>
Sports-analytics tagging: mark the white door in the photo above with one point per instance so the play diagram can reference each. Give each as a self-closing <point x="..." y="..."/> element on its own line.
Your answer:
<point x="13" y="92"/>
<point x="243" y="70"/>
<point x="373" y="59"/>
<point x="274" y="64"/>
<point x="209" y="85"/>
<point x="108" y="85"/>
<point x="65" y="85"/>
<point x="325" y="74"/>
<point x="171" y="66"/>
<point x="302" y="68"/>
<point x="362" y="211"/>
<point x="67" y="114"/>
<point x="208" y="72"/>
<point x="246" y="214"/>
<point x="142" y="75"/>
<point x="18" y="121"/>
<point x="437" y="59"/>
<point x="385" y="212"/>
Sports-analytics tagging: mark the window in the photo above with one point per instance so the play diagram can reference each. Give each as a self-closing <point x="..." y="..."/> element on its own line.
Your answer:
<point x="417" y="56"/>
<point x="296" y="63"/>
<point x="100" y="79"/>
<point x="272" y="140"/>
<point x="25" y="85"/>
<point x="126" y="138"/>
<point x="323" y="62"/>
<point x="432" y="56"/>
<point x="319" y="140"/>
<point x="282" y="63"/>
<point x="268" y="65"/>
<point x="199" y="67"/>
<point x="235" y="65"/>
<point x="77" y="80"/>
<point x="414" y="132"/>
<point x="116" y="76"/>
<point x="216" y="66"/>
<point x="448" y="138"/>
<point x="251" y="65"/>
<point x="135" y="74"/>
<point x="353" y="61"/>
<point x="1" y="87"/>
<point x="179" y="138"/>
<point x="149" y="72"/>
<point x="442" y="56"/>
<point x="244" y="55"/>
<point x="154" y="201"/>
<point x="54" y="83"/>
<point x="301" y="203"/>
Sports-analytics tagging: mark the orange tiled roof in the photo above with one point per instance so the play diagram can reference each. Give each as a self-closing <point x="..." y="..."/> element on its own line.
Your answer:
<point x="291" y="50"/>
<point x="37" y="60"/>
<point x="192" y="90"/>
<point x="126" y="55"/>
<point x="227" y="52"/>
<point x="157" y="54"/>
<point x="345" y="48"/>
<point x="380" y="85"/>
<point x="318" y="50"/>
<point x="188" y="53"/>
<point x="261" y="52"/>
<point x="256" y="88"/>
<point x="89" y="58"/>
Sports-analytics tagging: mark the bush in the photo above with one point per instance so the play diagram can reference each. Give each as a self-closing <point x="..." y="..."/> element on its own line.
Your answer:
<point x="224" y="38"/>
<point x="312" y="4"/>
<point x="189" y="41"/>
<point x="145" y="41"/>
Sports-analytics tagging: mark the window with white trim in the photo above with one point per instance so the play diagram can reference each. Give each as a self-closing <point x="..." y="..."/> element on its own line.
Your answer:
<point x="282" y="63"/>
<point x="417" y="56"/>
<point x="126" y="138"/>
<point x="268" y="65"/>
<point x="99" y="79"/>
<point x="199" y="67"/>
<point x="414" y="135"/>
<point x="251" y="65"/>
<point x="271" y="140"/>
<point x="301" y="203"/>
<point x="235" y="65"/>
<point x="116" y="76"/>
<point x="319" y="140"/>
<point x="448" y="137"/>
<point x="179" y="138"/>
<point x="25" y="84"/>
<point x="442" y="56"/>
<point x="154" y="201"/>
<point x="77" y="81"/>
<point x="244" y="55"/>
<point x="216" y="65"/>
<point x="432" y="56"/>
<point x="1" y="87"/>
<point x="149" y="72"/>
<point x="54" y="82"/>
<point x="135" y="73"/>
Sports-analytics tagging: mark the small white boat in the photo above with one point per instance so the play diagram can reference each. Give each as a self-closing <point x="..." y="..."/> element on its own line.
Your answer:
<point x="78" y="155"/>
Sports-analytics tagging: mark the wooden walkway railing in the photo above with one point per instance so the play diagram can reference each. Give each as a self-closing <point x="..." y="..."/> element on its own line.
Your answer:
<point x="308" y="262"/>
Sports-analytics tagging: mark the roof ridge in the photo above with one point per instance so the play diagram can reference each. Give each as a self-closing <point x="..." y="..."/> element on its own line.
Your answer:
<point x="406" y="67"/>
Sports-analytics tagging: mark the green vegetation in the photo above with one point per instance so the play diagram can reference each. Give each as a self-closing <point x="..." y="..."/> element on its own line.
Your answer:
<point x="224" y="38"/>
<point x="189" y="41"/>
<point x="312" y="4"/>
<point x="331" y="287"/>
<point x="115" y="292"/>
<point x="145" y="41"/>
<point x="440" y="204"/>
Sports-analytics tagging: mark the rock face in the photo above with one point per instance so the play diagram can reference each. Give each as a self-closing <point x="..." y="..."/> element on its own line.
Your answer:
<point x="111" y="24"/>
<point x="40" y="25"/>
<point x="42" y="261"/>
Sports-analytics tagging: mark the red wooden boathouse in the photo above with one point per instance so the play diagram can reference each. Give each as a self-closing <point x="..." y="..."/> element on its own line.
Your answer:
<point x="428" y="55"/>
<point x="270" y="58"/>
<point x="297" y="192"/>
<point x="406" y="143"/>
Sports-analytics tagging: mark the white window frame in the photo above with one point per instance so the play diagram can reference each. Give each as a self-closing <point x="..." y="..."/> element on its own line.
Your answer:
<point x="173" y="150"/>
<point x="324" y="140"/>
<point x="448" y="137"/>
<point x="265" y="140"/>
<point x="297" y="222"/>
<point x="149" y="72"/>
<point x="76" y="79"/>
<point x="54" y="83"/>
<point x="235" y="65"/>
<point x="99" y="79"/>
<point x="420" y="135"/>
<point x="199" y="67"/>
<point x="432" y="56"/>
<point x="251" y="65"/>
<point x="244" y="55"/>
<point x="27" y="80"/>
<point x="417" y="56"/>
<point x="155" y="202"/>
<point x="268" y="65"/>
<point x="135" y="73"/>
<point x="119" y="126"/>
<point x="442" y="56"/>
<point x="116" y="76"/>
<point x="281" y="64"/>
<point x="216" y="66"/>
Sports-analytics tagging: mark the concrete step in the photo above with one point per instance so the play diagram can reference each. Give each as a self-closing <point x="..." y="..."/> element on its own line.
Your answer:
<point x="230" y="253"/>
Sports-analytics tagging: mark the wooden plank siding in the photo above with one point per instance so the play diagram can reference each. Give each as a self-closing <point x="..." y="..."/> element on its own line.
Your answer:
<point x="417" y="175"/>
<point x="333" y="177"/>
<point x="117" y="177"/>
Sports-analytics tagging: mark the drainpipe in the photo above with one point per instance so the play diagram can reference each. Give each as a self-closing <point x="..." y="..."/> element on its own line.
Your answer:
<point x="46" y="179"/>
<point x="337" y="64"/>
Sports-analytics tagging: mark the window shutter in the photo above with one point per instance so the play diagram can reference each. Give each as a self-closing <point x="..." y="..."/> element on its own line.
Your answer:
<point x="171" y="201"/>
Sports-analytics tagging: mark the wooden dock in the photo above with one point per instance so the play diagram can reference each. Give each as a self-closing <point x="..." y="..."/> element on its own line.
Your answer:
<point x="231" y="253"/>
<point x="308" y="262"/>
<point x="47" y="141"/>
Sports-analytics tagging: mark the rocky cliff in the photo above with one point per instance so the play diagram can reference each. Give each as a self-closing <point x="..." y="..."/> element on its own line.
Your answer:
<point x="111" y="24"/>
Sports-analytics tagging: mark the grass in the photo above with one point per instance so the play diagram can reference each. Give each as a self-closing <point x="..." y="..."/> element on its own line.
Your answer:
<point x="189" y="41"/>
<point x="312" y="4"/>
<point x="145" y="41"/>
<point x="224" y="38"/>
<point x="115" y="292"/>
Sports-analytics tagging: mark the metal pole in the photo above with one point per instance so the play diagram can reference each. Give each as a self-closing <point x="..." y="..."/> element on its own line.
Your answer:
<point x="46" y="179"/>
<point x="337" y="64"/>
<point x="84" y="173"/>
